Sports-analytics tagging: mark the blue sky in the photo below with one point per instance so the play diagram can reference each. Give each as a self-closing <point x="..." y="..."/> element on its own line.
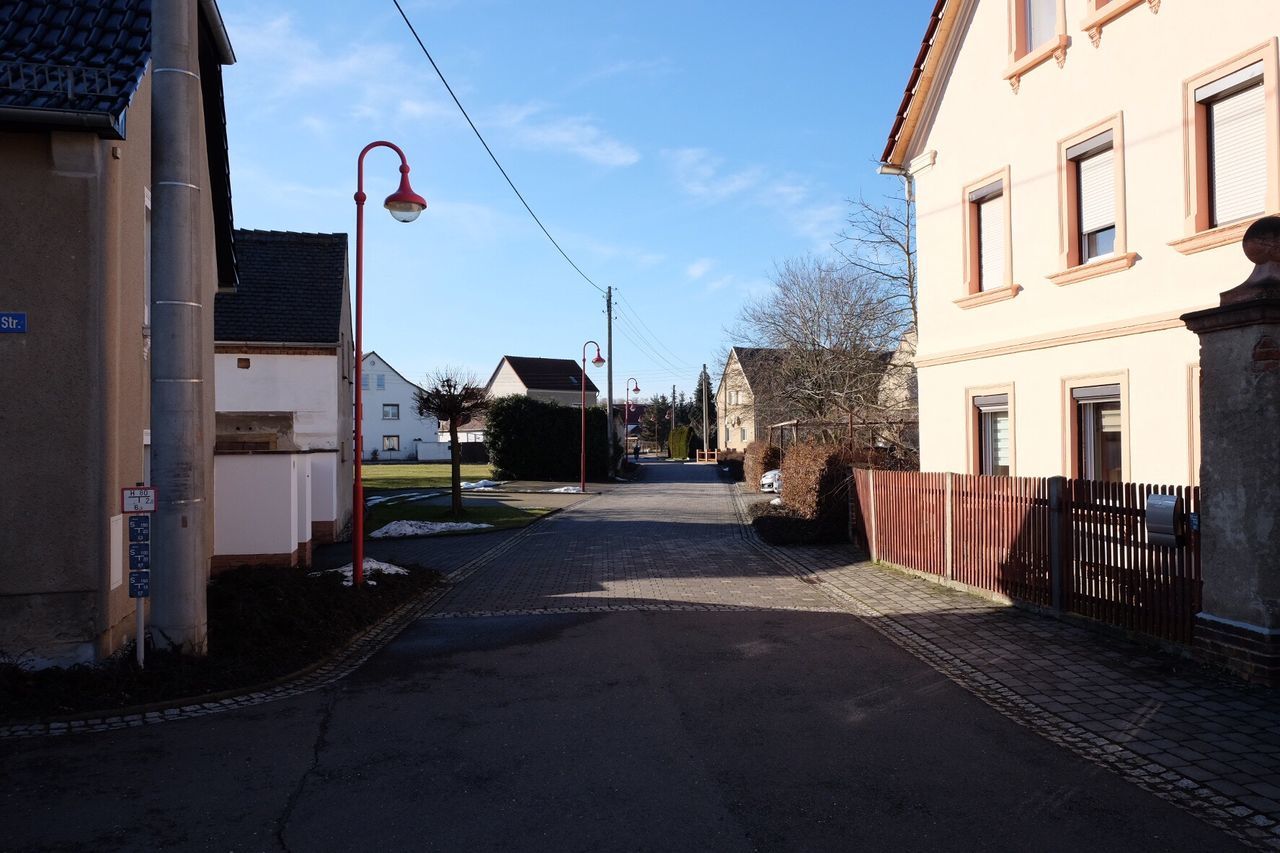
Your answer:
<point x="675" y="150"/>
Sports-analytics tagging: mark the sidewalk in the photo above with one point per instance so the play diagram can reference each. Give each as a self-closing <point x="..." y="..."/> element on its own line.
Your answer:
<point x="1209" y="744"/>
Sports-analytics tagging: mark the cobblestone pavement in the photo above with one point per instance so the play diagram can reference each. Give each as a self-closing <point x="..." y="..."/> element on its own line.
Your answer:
<point x="1208" y="743"/>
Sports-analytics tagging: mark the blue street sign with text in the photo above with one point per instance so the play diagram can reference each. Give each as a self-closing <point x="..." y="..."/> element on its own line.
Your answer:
<point x="13" y="321"/>
<point x="140" y="584"/>
<point x="139" y="528"/>
<point x="139" y="555"/>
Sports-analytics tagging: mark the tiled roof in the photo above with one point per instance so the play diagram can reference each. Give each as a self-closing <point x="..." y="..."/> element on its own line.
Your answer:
<point x="291" y="289"/>
<point x="549" y="374"/>
<point x="756" y="363"/>
<point x="60" y="57"/>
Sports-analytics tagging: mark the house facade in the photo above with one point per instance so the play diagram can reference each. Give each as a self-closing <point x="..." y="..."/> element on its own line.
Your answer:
<point x="391" y="426"/>
<point x="553" y="380"/>
<point x="1083" y="172"/>
<point x="75" y="164"/>
<point x="743" y="400"/>
<point x="284" y="396"/>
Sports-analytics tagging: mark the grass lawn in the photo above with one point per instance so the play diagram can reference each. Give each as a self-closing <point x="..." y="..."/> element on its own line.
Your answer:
<point x="500" y="516"/>
<point x="421" y="476"/>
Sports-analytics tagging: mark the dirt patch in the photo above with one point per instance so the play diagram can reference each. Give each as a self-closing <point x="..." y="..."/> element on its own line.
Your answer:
<point x="264" y="623"/>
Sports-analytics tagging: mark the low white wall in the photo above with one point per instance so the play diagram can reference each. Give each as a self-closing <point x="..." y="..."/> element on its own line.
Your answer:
<point x="302" y="469"/>
<point x="432" y="451"/>
<point x="255" y="504"/>
<point x="324" y="487"/>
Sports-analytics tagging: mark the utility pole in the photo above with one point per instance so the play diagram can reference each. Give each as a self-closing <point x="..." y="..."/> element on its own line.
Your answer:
<point x="178" y="430"/>
<point x="706" y="392"/>
<point x="673" y="420"/>
<point x="608" y="306"/>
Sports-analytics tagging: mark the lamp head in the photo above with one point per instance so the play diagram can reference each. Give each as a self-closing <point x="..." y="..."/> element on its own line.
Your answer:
<point x="598" y="360"/>
<point x="404" y="203"/>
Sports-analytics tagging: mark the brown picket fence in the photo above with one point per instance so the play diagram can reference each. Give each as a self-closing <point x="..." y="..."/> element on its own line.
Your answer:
<point x="1006" y="534"/>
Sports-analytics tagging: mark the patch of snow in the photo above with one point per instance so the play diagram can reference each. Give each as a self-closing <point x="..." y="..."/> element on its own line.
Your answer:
<point x="565" y="490"/>
<point x="776" y="502"/>
<point x="480" y="486"/>
<point x="371" y="567"/>
<point x="397" y="529"/>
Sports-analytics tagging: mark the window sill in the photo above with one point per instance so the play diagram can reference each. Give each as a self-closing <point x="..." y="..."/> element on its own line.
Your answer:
<point x="1055" y="48"/>
<point x="1213" y="238"/>
<point x="986" y="297"/>
<point x="1084" y="272"/>
<point x="1095" y="21"/>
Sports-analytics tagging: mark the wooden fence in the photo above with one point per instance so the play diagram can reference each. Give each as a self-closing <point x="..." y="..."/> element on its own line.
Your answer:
<point x="1073" y="545"/>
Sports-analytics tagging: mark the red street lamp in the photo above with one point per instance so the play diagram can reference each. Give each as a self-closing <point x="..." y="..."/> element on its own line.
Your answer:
<point x="582" y="386"/>
<point x="626" y="421"/>
<point x="405" y="205"/>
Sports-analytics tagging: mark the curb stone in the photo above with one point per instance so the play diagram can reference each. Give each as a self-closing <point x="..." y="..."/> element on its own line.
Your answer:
<point x="1224" y="813"/>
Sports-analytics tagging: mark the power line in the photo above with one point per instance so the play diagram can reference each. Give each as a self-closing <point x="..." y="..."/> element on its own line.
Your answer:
<point x="492" y="157"/>
<point x="643" y="342"/>
<point x="654" y="337"/>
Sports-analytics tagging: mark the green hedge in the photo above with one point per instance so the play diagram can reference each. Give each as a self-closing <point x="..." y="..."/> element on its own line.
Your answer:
<point x="531" y="439"/>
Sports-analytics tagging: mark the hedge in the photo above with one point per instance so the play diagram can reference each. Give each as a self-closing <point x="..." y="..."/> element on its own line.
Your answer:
<point x="679" y="442"/>
<point x="815" y="483"/>
<point x="760" y="456"/>
<point x="532" y="439"/>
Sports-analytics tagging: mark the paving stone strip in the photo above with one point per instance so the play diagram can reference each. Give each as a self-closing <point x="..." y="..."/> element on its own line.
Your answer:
<point x="1208" y="745"/>
<point x="337" y="666"/>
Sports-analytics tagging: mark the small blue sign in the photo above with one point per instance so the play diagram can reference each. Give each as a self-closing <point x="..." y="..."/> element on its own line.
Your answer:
<point x="140" y="584"/>
<point x="139" y="555"/>
<point x="13" y="321"/>
<point x="139" y="528"/>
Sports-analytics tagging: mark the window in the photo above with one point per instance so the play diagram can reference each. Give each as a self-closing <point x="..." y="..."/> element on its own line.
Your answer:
<point x="744" y="433"/>
<point x="382" y="382"/>
<point x="1099" y="433"/>
<point x="391" y="411"/>
<point x="1041" y="23"/>
<point x="1095" y="165"/>
<point x="1092" y="239"/>
<point x="364" y="382"/>
<point x="390" y="442"/>
<point x="1232" y="147"/>
<point x="1037" y="33"/>
<point x="993" y="434"/>
<point x="243" y="363"/>
<point x="987" y="237"/>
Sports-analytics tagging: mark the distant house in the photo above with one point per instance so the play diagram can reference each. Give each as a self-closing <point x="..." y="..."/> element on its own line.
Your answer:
<point x="76" y="150"/>
<point x="283" y="388"/>
<point x="391" y="427"/>
<point x="555" y="380"/>
<point x="746" y="400"/>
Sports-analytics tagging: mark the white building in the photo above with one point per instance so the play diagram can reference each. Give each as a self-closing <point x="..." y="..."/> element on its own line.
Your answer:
<point x="283" y="390"/>
<point x="391" y="426"/>
<point x="554" y="380"/>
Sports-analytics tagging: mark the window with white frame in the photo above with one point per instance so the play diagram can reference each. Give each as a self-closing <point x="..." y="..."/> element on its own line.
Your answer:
<point x="1095" y="163"/>
<point x="993" y="433"/>
<point x="989" y="202"/>
<point x="390" y="442"/>
<point x="1099" y="433"/>
<point x="391" y="411"/>
<point x="382" y="382"/>
<point x="364" y="382"/>
<point x="1236" y="115"/>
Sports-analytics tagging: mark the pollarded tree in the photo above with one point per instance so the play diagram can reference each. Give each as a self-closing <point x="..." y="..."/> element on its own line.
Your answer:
<point x="457" y="397"/>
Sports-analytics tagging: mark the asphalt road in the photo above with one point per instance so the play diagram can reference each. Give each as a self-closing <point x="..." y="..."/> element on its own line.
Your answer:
<point x="751" y="729"/>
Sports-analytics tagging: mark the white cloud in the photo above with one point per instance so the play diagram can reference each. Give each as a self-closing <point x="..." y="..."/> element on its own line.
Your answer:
<point x="699" y="174"/>
<point x="645" y="67"/>
<point x="576" y="135"/>
<point x="699" y="268"/>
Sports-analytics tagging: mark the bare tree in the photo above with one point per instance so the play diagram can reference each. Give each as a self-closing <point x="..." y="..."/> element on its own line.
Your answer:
<point x="455" y="396"/>
<point x="877" y="242"/>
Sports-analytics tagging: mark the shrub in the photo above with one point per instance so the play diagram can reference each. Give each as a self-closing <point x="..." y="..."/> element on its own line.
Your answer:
<point x="781" y="525"/>
<point x="731" y="464"/>
<point x="680" y="442"/>
<point x="532" y="439"/>
<point x="760" y="456"/>
<point x="815" y="483"/>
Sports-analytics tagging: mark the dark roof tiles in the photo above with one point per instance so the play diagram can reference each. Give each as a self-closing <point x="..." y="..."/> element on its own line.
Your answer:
<point x="549" y="374"/>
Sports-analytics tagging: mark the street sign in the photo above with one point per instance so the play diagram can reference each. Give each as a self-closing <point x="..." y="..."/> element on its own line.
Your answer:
<point x="139" y="584"/>
<point x="13" y="322"/>
<point x="138" y="500"/>
<point x="139" y="555"/>
<point x="139" y="528"/>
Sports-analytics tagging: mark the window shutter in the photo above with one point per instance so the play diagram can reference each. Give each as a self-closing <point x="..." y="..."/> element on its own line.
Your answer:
<point x="991" y="244"/>
<point x="1238" y="159"/>
<point x="1097" y="191"/>
<point x="1042" y="22"/>
<point x="1000" y="438"/>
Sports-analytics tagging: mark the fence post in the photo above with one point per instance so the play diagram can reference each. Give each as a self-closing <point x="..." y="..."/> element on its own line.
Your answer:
<point x="872" y="544"/>
<point x="947" y="522"/>
<point x="1059" y="521"/>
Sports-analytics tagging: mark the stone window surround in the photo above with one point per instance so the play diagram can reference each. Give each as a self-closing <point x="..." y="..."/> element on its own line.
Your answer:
<point x="973" y="436"/>
<point x="973" y="294"/>
<point x="1070" y="425"/>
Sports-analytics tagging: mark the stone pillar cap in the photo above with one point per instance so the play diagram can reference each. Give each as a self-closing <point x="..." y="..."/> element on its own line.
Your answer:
<point x="1262" y="246"/>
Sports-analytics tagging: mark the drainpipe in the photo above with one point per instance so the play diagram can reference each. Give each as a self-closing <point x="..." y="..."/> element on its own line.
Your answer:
<point x="179" y="461"/>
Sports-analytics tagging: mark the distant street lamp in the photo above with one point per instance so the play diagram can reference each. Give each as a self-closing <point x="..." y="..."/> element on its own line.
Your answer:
<point x="626" y="420"/>
<point x="597" y="361"/>
<point x="405" y="205"/>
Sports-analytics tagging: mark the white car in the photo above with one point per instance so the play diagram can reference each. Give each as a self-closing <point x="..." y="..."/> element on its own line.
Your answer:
<point x="771" y="481"/>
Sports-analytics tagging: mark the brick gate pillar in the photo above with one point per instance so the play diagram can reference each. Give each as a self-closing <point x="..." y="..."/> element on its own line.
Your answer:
<point x="1239" y="626"/>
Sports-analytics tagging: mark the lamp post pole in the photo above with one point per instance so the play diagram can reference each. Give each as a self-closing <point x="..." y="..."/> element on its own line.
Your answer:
<point x="405" y="205"/>
<point x="626" y="419"/>
<point x="582" y="387"/>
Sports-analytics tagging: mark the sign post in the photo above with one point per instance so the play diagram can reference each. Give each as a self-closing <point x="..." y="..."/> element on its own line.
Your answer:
<point x="138" y="504"/>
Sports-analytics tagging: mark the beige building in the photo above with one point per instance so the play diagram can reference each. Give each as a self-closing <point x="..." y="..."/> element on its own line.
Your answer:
<point x="553" y="380"/>
<point x="75" y="165"/>
<point x="1083" y="171"/>
<point x="744" y="404"/>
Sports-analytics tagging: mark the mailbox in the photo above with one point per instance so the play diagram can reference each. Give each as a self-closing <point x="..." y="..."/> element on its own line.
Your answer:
<point x="1166" y="522"/>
